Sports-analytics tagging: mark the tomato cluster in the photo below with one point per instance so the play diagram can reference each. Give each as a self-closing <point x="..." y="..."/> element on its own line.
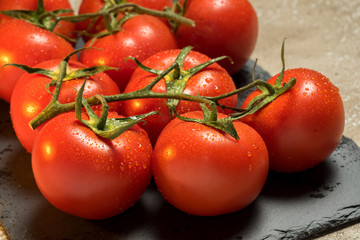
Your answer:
<point x="160" y="108"/>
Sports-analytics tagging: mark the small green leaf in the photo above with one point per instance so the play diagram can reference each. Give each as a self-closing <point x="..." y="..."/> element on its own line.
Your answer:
<point x="225" y="125"/>
<point x="109" y="128"/>
<point x="31" y="70"/>
<point x="114" y="127"/>
<point x="87" y="72"/>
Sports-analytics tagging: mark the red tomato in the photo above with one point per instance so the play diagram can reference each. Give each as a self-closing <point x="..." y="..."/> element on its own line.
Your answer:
<point x="211" y="81"/>
<point x="203" y="171"/>
<point x="142" y="36"/>
<point x="30" y="97"/>
<point x="31" y="46"/>
<point x="63" y="27"/>
<point x="223" y="27"/>
<point x="93" y="6"/>
<point x="303" y="126"/>
<point x="89" y="176"/>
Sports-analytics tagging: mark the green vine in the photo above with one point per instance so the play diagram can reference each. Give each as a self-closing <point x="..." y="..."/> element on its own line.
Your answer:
<point x="111" y="128"/>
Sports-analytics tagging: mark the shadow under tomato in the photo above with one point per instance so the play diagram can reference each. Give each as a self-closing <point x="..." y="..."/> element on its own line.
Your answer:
<point x="15" y="161"/>
<point x="47" y="222"/>
<point x="150" y="218"/>
<point x="173" y="224"/>
<point x="312" y="182"/>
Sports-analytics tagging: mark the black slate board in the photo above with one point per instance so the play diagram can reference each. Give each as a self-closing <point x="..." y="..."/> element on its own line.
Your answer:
<point x="291" y="206"/>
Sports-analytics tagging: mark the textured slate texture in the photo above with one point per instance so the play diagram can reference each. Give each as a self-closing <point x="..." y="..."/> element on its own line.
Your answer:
<point x="291" y="206"/>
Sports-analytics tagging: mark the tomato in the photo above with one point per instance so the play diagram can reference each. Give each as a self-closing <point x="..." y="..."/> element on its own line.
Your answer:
<point x="24" y="43"/>
<point x="89" y="176"/>
<point x="93" y="6"/>
<point x="211" y="81"/>
<point x="203" y="171"/>
<point x="223" y="27"/>
<point x="141" y="37"/>
<point x="303" y="126"/>
<point x="64" y="27"/>
<point x="30" y="97"/>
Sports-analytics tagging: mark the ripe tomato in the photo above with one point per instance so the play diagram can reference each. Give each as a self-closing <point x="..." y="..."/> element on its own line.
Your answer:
<point x="64" y="28"/>
<point x="223" y="27"/>
<point x="141" y="37"/>
<point x="31" y="46"/>
<point x="93" y="6"/>
<point x="89" y="176"/>
<point x="211" y="81"/>
<point x="303" y="126"/>
<point x="206" y="172"/>
<point x="30" y="97"/>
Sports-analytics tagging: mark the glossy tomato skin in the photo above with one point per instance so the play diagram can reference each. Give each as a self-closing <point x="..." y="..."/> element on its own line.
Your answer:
<point x="211" y="81"/>
<point x="303" y="126"/>
<point x="92" y="6"/>
<point x="205" y="172"/>
<point x="88" y="176"/>
<point x="223" y="27"/>
<point x="30" y="97"/>
<point x="31" y="45"/>
<point x="142" y="36"/>
<point x="64" y="27"/>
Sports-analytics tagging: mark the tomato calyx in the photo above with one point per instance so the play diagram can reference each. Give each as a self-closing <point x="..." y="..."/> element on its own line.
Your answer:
<point x="40" y="17"/>
<point x="268" y="92"/>
<point x="177" y="78"/>
<point x="67" y="74"/>
<point x="62" y="73"/>
<point x="109" y="128"/>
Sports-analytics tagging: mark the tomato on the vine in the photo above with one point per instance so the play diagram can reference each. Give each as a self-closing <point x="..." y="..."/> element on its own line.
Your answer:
<point x="24" y="43"/>
<point x="204" y="171"/>
<point x="88" y="176"/>
<point x="226" y="27"/>
<point x="140" y="37"/>
<point x="64" y="28"/>
<point x="30" y="97"/>
<point x="210" y="81"/>
<point x="303" y="126"/>
<point x="93" y="6"/>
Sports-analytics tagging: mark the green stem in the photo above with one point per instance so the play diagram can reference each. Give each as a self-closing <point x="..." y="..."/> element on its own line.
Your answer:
<point x="130" y="7"/>
<point x="258" y="82"/>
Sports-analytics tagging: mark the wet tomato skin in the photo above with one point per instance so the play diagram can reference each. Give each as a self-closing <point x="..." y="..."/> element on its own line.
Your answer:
<point x="31" y="46"/>
<point x="205" y="172"/>
<point x="303" y="126"/>
<point x="88" y="176"/>
<point x="30" y="97"/>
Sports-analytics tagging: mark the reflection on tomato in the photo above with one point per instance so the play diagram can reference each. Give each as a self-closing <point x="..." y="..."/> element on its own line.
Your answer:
<point x="206" y="172"/>
<point x="303" y="126"/>
<point x="88" y="176"/>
